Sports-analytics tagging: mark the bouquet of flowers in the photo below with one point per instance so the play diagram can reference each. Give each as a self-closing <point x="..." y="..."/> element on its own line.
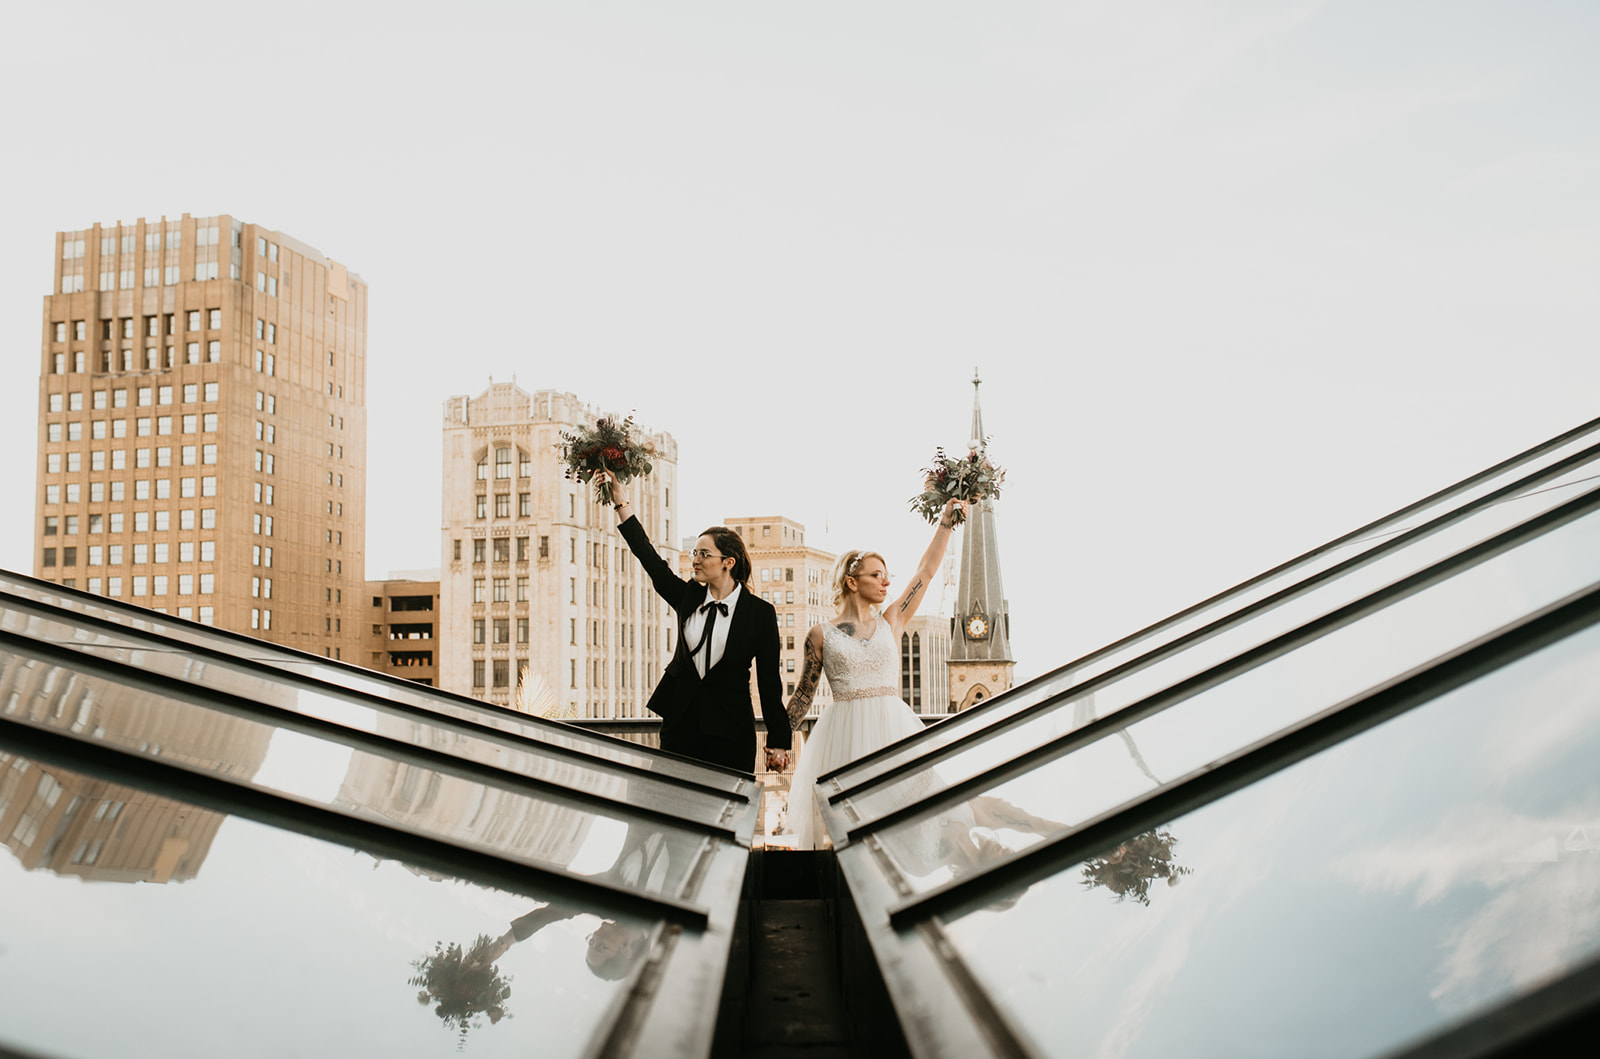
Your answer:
<point x="971" y="478"/>
<point x="1128" y="870"/>
<point x="606" y="446"/>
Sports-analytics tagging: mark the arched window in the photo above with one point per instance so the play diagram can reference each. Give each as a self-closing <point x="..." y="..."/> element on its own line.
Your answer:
<point x="502" y="463"/>
<point x="483" y="467"/>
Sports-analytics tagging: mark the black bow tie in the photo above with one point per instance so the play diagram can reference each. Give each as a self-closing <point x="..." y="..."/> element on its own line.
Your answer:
<point x="711" y="608"/>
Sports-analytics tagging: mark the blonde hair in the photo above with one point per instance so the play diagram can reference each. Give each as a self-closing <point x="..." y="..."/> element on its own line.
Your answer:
<point x="847" y="566"/>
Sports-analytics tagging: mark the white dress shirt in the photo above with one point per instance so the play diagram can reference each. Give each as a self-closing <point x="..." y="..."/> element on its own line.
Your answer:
<point x="696" y="623"/>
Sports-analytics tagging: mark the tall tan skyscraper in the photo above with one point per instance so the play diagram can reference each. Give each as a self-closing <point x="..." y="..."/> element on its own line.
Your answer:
<point x="202" y="428"/>
<point x="534" y="573"/>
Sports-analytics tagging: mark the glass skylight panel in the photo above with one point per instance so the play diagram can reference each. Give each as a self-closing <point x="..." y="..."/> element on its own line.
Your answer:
<point x="135" y="624"/>
<point x="985" y="752"/>
<point x="556" y="832"/>
<point x="1081" y="784"/>
<point x="201" y="933"/>
<point x="330" y="704"/>
<point x="1521" y="503"/>
<point x="1417" y="874"/>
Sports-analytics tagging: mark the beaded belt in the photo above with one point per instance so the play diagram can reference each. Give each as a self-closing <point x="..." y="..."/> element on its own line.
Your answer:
<point x="867" y="693"/>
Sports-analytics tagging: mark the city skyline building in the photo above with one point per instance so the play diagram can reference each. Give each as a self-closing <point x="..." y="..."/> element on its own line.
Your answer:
<point x="202" y="427"/>
<point x="403" y="628"/>
<point x="533" y="572"/>
<point x="796" y="579"/>
<point x="980" y="665"/>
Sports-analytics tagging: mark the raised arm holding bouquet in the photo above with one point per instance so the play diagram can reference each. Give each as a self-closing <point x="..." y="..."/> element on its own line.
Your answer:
<point x="970" y="478"/>
<point x="860" y="651"/>
<point x="606" y="446"/>
<point x="723" y="628"/>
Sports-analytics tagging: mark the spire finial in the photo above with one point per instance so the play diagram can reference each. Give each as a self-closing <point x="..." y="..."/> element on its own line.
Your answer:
<point x="976" y="444"/>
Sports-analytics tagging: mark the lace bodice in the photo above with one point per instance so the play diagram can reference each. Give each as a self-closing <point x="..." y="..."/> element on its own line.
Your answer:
<point x="860" y="669"/>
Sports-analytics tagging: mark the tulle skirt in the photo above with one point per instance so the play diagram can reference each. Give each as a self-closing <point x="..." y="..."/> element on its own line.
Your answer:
<point x="845" y="731"/>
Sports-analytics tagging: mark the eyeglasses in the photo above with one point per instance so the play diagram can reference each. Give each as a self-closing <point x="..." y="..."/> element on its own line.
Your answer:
<point x="881" y="575"/>
<point x="701" y="553"/>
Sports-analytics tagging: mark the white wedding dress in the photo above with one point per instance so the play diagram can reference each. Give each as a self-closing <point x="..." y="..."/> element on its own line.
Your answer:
<point x="867" y="713"/>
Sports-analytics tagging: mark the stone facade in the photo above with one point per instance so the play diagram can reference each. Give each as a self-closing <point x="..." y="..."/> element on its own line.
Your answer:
<point x="533" y="572"/>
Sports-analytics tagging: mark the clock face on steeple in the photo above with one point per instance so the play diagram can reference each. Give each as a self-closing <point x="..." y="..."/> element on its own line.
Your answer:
<point x="977" y="627"/>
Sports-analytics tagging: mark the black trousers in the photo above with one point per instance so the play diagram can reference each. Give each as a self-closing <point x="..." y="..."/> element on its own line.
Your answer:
<point x="736" y="753"/>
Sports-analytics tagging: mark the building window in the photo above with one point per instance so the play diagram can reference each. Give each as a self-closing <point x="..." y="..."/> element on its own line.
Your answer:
<point x="502" y="590"/>
<point x="502" y="505"/>
<point x="477" y="630"/>
<point x="522" y="590"/>
<point x="502" y="549"/>
<point x="525" y="505"/>
<point x="502" y="630"/>
<point x="477" y="672"/>
<point x="483" y="506"/>
<point x="502" y="463"/>
<point x="478" y="550"/>
<point x="544" y="547"/>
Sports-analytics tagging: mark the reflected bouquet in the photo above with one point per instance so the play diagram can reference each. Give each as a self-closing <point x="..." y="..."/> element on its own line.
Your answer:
<point x="1128" y="870"/>
<point x="606" y="446"/>
<point x="971" y="478"/>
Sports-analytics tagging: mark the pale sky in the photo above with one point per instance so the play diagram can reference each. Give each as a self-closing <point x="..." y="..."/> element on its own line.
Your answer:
<point x="1239" y="276"/>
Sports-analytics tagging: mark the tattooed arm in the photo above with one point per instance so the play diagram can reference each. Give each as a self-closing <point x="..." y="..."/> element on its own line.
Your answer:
<point x="810" y="674"/>
<point x="902" y="610"/>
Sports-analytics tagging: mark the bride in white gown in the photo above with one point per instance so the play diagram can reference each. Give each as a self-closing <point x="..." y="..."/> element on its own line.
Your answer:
<point x="860" y="652"/>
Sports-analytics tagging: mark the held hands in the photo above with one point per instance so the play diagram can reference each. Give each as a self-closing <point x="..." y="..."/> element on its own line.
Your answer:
<point x="777" y="760"/>
<point x="619" y="492"/>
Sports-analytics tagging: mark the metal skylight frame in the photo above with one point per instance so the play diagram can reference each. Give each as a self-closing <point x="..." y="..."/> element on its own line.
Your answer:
<point x="1015" y="709"/>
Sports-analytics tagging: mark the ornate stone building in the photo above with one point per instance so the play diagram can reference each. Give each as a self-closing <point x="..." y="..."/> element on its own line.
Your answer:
<point x="533" y="574"/>
<point x="981" y="665"/>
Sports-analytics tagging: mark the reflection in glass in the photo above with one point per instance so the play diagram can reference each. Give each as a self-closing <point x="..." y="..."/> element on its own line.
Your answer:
<point x="1130" y="868"/>
<point x="137" y="621"/>
<point x="547" y="828"/>
<point x="270" y="689"/>
<point x="287" y="945"/>
<point x="1368" y="896"/>
<point x="463" y="984"/>
<point x="988" y="752"/>
<point x="1094" y="779"/>
<point x="965" y="837"/>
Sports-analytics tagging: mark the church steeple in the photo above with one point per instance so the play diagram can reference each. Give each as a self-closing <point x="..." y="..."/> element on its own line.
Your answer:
<point x="980" y="661"/>
<point x="977" y="411"/>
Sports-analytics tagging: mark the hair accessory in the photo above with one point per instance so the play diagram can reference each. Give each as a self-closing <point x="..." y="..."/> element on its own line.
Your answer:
<point x="850" y="570"/>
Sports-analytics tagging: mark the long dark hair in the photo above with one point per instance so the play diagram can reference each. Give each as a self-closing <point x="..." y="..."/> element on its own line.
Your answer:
<point x="731" y="544"/>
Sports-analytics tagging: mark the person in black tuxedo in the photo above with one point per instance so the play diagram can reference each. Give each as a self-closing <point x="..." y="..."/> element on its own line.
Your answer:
<point x="723" y="626"/>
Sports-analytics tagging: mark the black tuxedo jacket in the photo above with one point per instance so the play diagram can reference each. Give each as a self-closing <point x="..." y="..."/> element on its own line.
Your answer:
<point x="718" y="704"/>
